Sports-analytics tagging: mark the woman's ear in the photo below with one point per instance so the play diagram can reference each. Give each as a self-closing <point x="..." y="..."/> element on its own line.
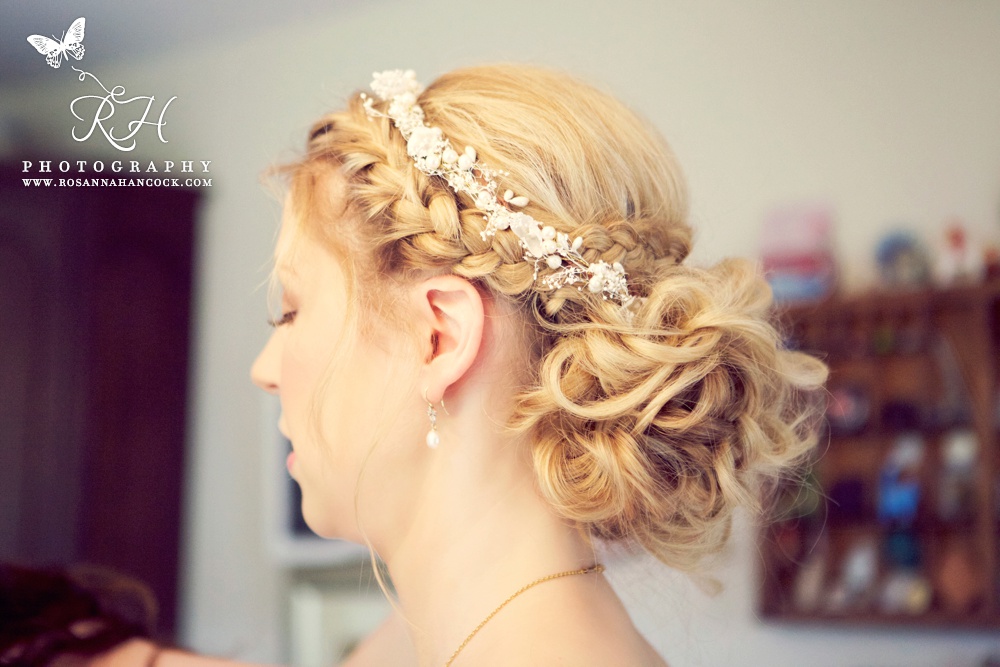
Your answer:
<point x="451" y="317"/>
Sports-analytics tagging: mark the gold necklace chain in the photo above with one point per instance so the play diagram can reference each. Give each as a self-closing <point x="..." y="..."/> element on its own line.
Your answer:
<point x="569" y="573"/>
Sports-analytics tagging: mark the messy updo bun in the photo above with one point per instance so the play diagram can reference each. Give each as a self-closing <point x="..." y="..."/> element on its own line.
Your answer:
<point x="651" y="425"/>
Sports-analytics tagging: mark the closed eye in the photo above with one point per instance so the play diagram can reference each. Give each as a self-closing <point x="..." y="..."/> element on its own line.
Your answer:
<point x="286" y="318"/>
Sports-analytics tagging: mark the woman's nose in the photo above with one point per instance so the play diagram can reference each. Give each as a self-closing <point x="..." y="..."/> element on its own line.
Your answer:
<point x="264" y="371"/>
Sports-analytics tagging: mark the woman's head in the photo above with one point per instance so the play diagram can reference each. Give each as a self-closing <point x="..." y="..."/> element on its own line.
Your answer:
<point x="649" y="423"/>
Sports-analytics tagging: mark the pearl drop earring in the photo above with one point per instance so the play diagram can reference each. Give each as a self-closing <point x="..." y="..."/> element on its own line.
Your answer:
<point x="433" y="439"/>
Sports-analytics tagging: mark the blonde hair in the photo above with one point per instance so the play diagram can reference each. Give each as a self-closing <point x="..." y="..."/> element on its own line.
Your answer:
<point x="651" y="428"/>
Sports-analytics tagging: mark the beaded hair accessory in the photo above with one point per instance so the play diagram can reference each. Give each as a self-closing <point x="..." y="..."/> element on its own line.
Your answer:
<point x="434" y="155"/>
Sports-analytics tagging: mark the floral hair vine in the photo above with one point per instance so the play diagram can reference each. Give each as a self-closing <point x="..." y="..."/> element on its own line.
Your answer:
<point x="434" y="155"/>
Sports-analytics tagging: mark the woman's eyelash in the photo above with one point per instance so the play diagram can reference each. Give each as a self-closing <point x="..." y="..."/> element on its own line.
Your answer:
<point x="285" y="318"/>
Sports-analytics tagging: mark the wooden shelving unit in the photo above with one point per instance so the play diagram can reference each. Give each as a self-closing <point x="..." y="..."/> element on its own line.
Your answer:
<point x="888" y="529"/>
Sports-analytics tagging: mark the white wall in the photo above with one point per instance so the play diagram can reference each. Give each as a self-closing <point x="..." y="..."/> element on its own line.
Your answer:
<point x="887" y="110"/>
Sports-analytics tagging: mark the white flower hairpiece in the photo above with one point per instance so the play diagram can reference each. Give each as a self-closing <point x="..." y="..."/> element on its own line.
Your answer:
<point x="434" y="155"/>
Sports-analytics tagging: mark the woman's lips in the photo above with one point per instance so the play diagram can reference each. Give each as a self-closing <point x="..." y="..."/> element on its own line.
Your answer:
<point x="290" y="461"/>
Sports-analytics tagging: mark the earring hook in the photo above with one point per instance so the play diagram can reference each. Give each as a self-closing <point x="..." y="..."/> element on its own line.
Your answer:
<point x="427" y="401"/>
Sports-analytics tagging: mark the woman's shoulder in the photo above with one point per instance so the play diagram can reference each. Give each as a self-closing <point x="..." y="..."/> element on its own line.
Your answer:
<point x="592" y="630"/>
<point x="389" y="644"/>
<point x="585" y="646"/>
<point x="585" y="627"/>
<point x="584" y="654"/>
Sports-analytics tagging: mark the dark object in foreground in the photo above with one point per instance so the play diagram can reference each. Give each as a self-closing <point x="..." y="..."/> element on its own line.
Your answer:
<point x="79" y="610"/>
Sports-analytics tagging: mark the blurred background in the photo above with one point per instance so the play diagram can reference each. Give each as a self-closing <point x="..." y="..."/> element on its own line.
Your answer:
<point x="853" y="147"/>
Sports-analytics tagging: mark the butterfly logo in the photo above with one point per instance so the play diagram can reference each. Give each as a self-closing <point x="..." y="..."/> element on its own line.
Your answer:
<point x="55" y="50"/>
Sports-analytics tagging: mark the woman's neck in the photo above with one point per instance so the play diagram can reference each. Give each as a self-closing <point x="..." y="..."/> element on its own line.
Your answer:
<point x="480" y="533"/>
